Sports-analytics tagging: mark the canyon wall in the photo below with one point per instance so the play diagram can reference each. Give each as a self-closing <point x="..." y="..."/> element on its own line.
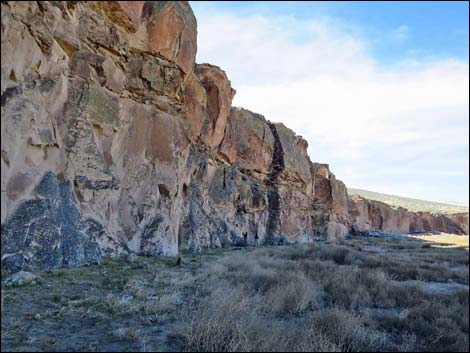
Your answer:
<point x="371" y="215"/>
<point x="114" y="140"/>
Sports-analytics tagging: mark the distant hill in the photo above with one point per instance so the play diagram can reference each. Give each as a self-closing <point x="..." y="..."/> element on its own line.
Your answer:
<point x="409" y="203"/>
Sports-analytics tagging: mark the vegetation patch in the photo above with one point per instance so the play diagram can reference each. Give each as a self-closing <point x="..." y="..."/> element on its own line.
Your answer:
<point x="361" y="294"/>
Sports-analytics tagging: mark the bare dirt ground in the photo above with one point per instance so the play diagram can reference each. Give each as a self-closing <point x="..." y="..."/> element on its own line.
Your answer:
<point x="362" y="294"/>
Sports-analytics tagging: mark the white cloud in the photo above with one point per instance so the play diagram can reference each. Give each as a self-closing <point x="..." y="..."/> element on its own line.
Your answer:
<point x="400" y="34"/>
<point x="372" y="123"/>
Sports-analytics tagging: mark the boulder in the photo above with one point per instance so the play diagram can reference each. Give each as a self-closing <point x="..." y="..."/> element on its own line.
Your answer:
<point x="21" y="278"/>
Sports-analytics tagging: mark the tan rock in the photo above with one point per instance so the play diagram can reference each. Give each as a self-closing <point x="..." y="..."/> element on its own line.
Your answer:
<point x="171" y="31"/>
<point x="133" y="10"/>
<point x="196" y="101"/>
<point x="461" y="220"/>
<point x="370" y="215"/>
<point x="296" y="160"/>
<point x="336" y="231"/>
<point x="330" y="201"/>
<point x="113" y="140"/>
<point x="218" y="98"/>
<point x="253" y="141"/>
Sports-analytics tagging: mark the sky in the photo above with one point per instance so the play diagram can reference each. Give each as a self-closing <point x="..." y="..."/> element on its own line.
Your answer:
<point x="380" y="90"/>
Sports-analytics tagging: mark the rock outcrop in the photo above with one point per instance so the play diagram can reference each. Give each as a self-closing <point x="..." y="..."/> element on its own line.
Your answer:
<point x="370" y="215"/>
<point x="114" y="140"/>
<point x="330" y="208"/>
<point x="461" y="219"/>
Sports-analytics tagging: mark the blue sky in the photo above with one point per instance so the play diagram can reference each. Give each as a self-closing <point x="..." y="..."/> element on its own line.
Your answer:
<point x="378" y="89"/>
<point x="430" y="28"/>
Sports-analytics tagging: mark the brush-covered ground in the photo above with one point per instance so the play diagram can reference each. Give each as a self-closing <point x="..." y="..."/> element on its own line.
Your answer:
<point x="361" y="294"/>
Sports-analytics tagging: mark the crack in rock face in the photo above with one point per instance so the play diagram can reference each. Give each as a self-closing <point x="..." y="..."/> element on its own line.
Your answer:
<point x="274" y="207"/>
<point x="114" y="141"/>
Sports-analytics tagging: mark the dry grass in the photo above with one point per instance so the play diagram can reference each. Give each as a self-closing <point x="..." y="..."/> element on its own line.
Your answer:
<point x="327" y="297"/>
<point x="362" y="294"/>
<point x="445" y="240"/>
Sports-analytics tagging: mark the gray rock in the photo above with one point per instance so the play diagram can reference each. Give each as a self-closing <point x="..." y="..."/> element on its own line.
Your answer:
<point x="178" y="302"/>
<point x="48" y="231"/>
<point x="21" y="278"/>
<point x="124" y="297"/>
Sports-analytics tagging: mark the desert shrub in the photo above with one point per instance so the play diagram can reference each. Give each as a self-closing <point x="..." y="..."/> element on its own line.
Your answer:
<point x="233" y="321"/>
<point x="308" y="297"/>
<point x="356" y="288"/>
<point x="346" y="331"/>
<point x="230" y="321"/>
<point x="259" y="279"/>
<point x="338" y="254"/>
<point x="293" y="297"/>
<point x="325" y="307"/>
<point x="435" y="329"/>
<point x="435" y="323"/>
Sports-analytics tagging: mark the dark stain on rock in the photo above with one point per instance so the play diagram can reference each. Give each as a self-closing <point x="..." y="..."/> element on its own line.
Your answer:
<point x="274" y="220"/>
<point x="164" y="190"/>
<point x="48" y="231"/>
<point x="153" y="236"/>
<point x="87" y="183"/>
<point x="9" y="93"/>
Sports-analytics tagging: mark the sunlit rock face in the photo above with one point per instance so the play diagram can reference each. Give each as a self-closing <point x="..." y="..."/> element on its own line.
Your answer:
<point x="330" y="207"/>
<point x="461" y="220"/>
<point x="370" y="215"/>
<point x="92" y="106"/>
<point x="114" y="140"/>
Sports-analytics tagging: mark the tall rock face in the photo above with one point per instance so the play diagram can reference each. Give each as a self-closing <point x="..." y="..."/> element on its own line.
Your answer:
<point x="249" y="189"/>
<point x="370" y="215"/>
<point x="114" y="140"/>
<point x="330" y="208"/>
<point x="95" y="134"/>
<point x="461" y="219"/>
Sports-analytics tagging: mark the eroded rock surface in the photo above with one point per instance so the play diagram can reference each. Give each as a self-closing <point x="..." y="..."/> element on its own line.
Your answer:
<point x="330" y="207"/>
<point x="370" y="215"/>
<point x="114" y="140"/>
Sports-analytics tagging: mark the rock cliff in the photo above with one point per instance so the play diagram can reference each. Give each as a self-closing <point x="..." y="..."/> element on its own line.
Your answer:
<point x="114" y="140"/>
<point x="370" y="215"/>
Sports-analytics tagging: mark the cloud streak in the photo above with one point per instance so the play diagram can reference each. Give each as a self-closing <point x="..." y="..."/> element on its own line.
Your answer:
<point x="400" y="34"/>
<point x="401" y="128"/>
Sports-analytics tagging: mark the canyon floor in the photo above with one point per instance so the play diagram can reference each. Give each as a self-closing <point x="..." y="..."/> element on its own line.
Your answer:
<point x="360" y="294"/>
